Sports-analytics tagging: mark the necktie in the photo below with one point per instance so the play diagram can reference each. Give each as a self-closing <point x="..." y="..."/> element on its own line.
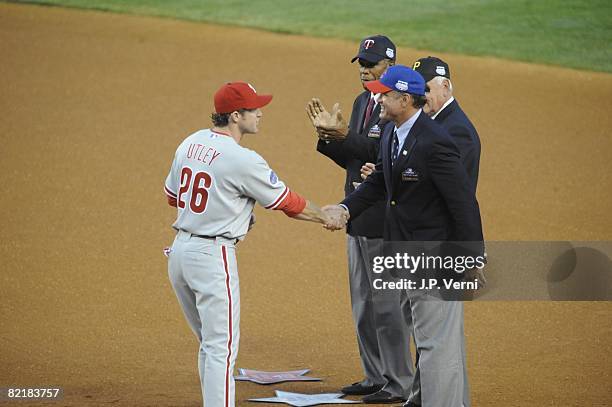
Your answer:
<point x="368" y="113"/>
<point x="395" y="150"/>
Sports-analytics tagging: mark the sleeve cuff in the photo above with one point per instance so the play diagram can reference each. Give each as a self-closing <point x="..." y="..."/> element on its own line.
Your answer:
<point x="345" y="208"/>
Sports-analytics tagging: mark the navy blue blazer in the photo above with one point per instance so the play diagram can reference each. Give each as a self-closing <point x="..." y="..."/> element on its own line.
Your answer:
<point x="360" y="146"/>
<point x="427" y="194"/>
<point x="464" y="134"/>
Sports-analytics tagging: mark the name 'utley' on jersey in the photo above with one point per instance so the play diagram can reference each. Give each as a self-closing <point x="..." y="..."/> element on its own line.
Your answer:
<point x="212" y="175"/>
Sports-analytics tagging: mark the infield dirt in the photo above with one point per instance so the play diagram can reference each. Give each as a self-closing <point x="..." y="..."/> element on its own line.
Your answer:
<point x="93" y="107"/>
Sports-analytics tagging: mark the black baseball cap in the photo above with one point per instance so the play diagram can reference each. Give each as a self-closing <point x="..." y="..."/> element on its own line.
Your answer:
<point x="375" y="48"/>
<point x="431" y="67"/>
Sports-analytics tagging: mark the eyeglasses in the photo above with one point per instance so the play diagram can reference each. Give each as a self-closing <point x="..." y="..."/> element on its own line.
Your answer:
<point x="367" y="64"/>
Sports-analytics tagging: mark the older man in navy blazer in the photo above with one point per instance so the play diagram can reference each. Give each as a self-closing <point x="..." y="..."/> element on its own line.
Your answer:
<point x="429" y="197"/>
<point x="444" y="109"/>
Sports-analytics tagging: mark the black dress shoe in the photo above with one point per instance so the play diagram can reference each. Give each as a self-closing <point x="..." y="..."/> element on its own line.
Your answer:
<point x="382" y="397"/>
<point x="359" y="389"/>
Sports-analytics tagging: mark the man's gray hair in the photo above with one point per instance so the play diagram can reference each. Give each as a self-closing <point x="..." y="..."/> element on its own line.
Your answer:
<point x="441" y="79"/>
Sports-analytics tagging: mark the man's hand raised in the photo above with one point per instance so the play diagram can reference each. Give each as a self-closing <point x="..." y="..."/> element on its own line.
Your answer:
<point x="329" y="126"/>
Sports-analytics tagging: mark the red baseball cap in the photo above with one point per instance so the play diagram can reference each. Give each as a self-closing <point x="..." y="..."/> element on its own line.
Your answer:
<point x="239" y="95"/>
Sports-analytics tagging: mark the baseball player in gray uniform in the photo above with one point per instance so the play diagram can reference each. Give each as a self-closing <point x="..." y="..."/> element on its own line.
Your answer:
<point x="214" y="184"/>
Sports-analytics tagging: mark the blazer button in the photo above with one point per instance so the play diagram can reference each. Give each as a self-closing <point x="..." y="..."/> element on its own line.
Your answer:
<point x="393" y="203"/>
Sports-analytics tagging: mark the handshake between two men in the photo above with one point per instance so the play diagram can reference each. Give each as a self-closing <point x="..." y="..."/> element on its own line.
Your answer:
<point x="336" y="217"/>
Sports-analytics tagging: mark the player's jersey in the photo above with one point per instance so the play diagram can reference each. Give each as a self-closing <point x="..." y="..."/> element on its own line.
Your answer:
<point x="216" y="183"/>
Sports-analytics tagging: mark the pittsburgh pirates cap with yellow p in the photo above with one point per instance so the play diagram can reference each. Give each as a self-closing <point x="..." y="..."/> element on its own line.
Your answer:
<point x="239" y="95"/>
<point x="431" y="67"/>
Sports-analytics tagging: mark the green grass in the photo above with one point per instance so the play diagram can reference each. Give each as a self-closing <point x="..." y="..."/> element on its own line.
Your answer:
<point x="570" y="33"/>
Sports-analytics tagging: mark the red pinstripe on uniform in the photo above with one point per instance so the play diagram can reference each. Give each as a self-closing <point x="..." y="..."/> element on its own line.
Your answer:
<point x="229" y="340"/>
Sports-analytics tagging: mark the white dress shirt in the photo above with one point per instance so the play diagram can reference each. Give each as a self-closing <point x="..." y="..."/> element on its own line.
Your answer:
<point x="448" y="102"/>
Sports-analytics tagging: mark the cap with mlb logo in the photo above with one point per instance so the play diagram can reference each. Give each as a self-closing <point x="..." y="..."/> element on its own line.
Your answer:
<point x="431" y="67"/>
